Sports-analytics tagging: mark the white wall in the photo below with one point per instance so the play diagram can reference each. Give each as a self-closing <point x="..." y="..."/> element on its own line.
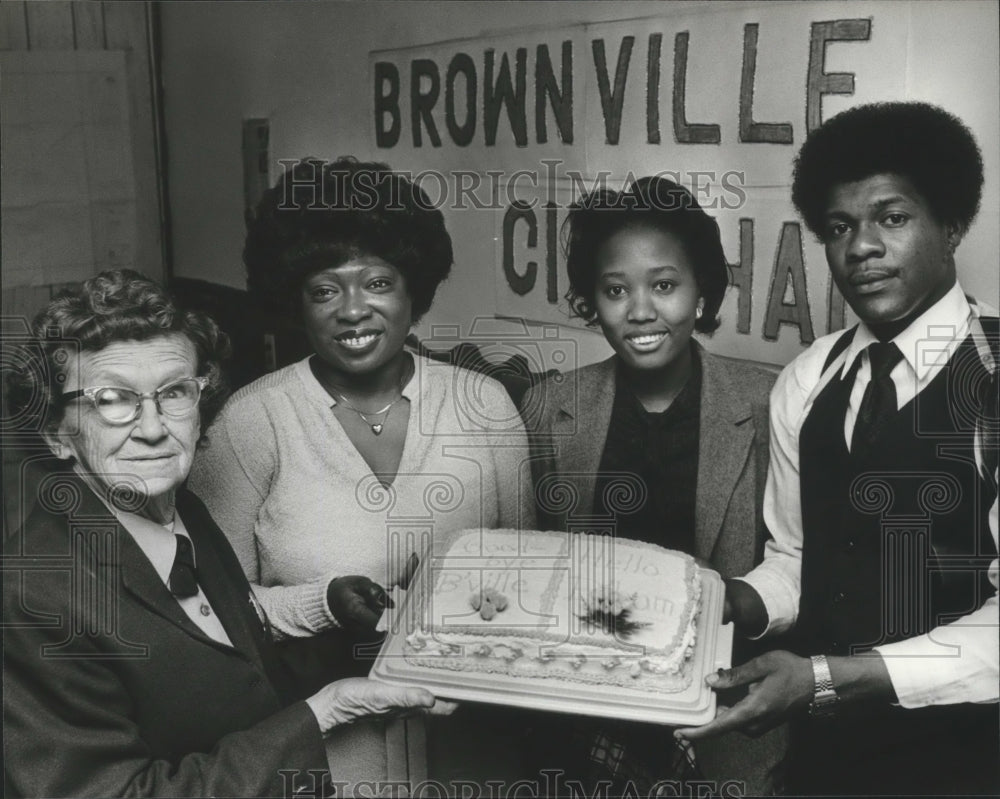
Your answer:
<point x="305" y="67"/>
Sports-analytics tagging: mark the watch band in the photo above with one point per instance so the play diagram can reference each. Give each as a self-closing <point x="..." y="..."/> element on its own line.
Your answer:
<point x="825" y="696"/>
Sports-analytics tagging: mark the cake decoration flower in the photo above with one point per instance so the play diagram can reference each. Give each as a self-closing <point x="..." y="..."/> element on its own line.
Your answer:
<point x="611" y="663"/>
<point x="488" y="602"/>
<point x="611" y="613"/>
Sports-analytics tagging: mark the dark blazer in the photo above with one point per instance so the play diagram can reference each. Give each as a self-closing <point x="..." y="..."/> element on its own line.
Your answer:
<point x="111" y="690"/>
<point x="568" y="418"/>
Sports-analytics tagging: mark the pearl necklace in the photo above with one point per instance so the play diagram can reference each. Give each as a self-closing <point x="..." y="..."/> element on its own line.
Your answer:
<point x="376" y="427"/>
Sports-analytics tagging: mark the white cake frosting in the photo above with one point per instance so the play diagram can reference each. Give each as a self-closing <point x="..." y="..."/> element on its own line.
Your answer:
<point x="579" y="607"/>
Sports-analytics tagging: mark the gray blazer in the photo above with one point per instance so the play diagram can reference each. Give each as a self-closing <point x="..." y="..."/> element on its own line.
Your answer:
<point x="567" y="417"/>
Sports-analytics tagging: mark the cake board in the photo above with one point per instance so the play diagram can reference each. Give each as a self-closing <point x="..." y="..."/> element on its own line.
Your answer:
<point x="691" y="707"/>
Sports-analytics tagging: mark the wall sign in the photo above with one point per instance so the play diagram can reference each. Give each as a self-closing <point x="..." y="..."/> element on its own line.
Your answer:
<point x="521" y="125"/>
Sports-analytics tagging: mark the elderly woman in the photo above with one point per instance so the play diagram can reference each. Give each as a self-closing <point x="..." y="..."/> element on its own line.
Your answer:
<point x="136" y="660"/>
<point x="686" y="429"/>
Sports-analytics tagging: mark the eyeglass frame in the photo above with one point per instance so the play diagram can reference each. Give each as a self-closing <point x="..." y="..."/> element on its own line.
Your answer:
<point x="91" y="394"/>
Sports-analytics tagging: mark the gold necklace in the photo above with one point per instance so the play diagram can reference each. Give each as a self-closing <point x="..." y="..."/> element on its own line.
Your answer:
<point x="376" y="427"/>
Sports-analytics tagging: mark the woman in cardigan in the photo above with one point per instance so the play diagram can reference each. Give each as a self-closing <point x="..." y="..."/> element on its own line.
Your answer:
<point x="331" y="474"/>
<point x="664" y="439"/>
<point x="307" y="467"/>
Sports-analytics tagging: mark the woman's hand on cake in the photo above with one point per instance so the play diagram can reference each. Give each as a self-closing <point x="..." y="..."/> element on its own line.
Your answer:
<point x="349" y="700"/>
<point x="780" y="684"/>
<point x="356" y="602"/>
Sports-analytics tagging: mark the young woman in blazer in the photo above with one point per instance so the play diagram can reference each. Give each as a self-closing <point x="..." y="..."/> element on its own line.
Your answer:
<point x="665" y="439"/>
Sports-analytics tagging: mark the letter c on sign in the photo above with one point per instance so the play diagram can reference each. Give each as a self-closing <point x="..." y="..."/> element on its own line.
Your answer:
<point x="519" y="284"/>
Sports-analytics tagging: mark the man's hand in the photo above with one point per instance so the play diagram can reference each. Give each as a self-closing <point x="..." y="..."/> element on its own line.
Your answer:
<point x="346" y="701"/>
<point x="357" y="602"/>
<point x="744" y="608"/>
<point x="781" y="684"/>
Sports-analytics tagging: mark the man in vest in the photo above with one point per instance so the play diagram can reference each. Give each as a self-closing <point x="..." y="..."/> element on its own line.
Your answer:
<point x="882" y="495"/>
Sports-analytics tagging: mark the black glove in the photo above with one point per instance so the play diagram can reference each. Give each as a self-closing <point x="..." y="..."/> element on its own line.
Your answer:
<point x="357" y="602"/>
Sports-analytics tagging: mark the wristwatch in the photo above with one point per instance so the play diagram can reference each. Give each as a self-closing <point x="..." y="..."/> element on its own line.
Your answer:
<point x="825" y="697"/>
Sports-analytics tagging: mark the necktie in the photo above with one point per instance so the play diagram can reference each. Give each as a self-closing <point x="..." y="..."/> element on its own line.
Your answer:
<point x="183" y="580"/>
<point x="879" y="401"/>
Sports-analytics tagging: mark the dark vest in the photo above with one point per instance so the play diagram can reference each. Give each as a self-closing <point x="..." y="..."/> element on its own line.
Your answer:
<point x="895" y="544"/>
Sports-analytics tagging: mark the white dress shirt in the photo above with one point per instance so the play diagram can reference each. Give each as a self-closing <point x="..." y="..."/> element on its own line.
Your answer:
<point x="956" y="662"/>
<point x="159" y="545"/>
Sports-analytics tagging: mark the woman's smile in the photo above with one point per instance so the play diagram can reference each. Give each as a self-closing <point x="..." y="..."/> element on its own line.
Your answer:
<point x="359" y="341"/>
<point x="645" y="342"/>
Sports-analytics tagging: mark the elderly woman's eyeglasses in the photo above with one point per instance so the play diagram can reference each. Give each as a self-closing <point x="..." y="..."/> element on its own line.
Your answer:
<point x="122" y="405"/>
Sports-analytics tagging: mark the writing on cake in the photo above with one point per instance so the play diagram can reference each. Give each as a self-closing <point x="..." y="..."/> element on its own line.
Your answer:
<point x="566" y="606"/>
